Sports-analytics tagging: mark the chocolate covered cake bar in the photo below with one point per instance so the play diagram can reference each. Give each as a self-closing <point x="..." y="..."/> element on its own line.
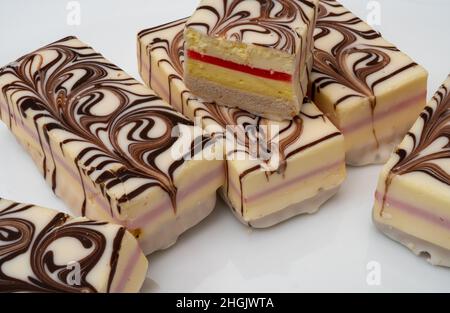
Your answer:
<point x="371" y="90"/>
<point x="412" y="202"/>
<point x="42" y="250"/>
<point x="107" y="145"/>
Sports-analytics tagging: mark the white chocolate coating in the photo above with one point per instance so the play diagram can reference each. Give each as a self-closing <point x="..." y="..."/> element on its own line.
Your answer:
<point x="371" y="90"/>
<point x="412" y="202"/>
<point x="42" y="250"/>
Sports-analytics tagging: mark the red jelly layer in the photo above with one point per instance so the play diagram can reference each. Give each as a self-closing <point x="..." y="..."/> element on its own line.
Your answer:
<point x="239" y="67"/>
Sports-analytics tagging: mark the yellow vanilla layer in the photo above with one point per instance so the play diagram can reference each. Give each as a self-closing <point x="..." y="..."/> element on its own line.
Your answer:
<point x="326" y="154"/>
<point x="424" y="197"/>
<point x="239" y="80"/>
<point x="255" y="56"/>
<point x="158" y="79"/>
<point x="357" y="109"/>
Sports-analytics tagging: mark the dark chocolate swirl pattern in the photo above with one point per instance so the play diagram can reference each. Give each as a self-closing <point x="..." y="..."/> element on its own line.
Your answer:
<point x="436" y="120"/>
<point x="168" y="38"/>
<point x="266" y="23"/>
<point x="359" y="58"/>
<point x="119" y="127"/>
<point x="21" y="237"/>
<point x="426" y="149"/>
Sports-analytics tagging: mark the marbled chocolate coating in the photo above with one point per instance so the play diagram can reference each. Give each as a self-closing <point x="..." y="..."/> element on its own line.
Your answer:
<point x="267" y="23"/>
<point x="430" y="145"/>
<point x="27" y="238"/>
<point x="358" y="59"/>
<point x="122" y="130"/>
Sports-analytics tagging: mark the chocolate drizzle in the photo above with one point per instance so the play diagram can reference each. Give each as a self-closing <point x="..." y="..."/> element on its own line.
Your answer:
<point x="427" y="147"/>
<point x="120" y="129"/>
<point x="21" y="236"/>
<point x="354" y="59"/>
<point x="168" y="40"/>
<point x="266" y="23"/>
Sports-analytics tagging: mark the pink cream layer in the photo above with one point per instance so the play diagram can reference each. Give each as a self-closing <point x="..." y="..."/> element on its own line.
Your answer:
<point x="144" y="219"/>
<point x="414" y="210"/>
<point x="288" y="183"/>
<point x="120" y="287"/>
<point x="396" y="108"/>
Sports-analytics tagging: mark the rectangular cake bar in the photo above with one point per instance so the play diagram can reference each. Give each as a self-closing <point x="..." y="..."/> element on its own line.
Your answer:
<point x="107" y="145"/>
<point x="42" y="250"/>
<point x="412" y="203"/>
<point x="370" y="90"/>
<point x="254" y="55"/>
<point x="310" y="149"/>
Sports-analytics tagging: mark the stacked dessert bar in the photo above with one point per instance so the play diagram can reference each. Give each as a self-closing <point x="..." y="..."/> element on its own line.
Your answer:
<point x="371" y="90"/>
<point x="412" y="200"/>
<point x="255" y="55"/>
<point x="311" y="163"/>
<point x="193" y="62"/>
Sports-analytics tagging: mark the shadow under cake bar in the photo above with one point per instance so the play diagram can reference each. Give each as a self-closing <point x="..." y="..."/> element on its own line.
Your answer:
<point x="42" y="250"/>
<point x="412" y="202"/>
<point x="105" y="143"/>
<point x="370" y="90"/>
<point x="254" y="55"/>
<point x="311" y="154"/>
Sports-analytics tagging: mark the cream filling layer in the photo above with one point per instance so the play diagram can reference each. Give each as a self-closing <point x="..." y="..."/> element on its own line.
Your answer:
<point x="412" y="219"/>
<point x="240" y="80"/>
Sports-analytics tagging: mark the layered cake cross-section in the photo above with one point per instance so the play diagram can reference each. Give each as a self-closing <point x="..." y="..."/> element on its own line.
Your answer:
<point x="254" y="55"/>
<point x="412" y="202"/>
<point x="371" y="90"/>
<point x="42" y="250"/>
<point x="107" y="145"/>
<point x="305" y="164"/>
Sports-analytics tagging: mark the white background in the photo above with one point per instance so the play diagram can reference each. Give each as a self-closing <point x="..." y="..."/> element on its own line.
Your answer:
<point x="328" y="251"/>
